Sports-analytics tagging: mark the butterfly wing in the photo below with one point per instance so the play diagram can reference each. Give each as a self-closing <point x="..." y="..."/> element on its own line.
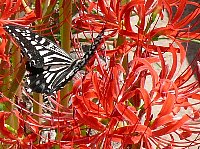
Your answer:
<point x="49" y="66"/>
<point x="46" y="61"/>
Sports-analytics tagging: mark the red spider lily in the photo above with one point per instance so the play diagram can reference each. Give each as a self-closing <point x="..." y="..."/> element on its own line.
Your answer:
<point x="17" y="139"/>
<point x="102" y="103"/>
<point x="123" y="104"/>
<point x="11" y="8"/>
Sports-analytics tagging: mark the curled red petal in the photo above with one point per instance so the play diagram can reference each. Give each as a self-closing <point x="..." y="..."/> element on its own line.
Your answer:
<point x="4" y="131"/>
<point x="128" y="113"/>
<point x="171" y="127"/>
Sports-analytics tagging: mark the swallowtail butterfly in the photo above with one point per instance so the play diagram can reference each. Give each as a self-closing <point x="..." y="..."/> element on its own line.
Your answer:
<point x="49" y="66"/>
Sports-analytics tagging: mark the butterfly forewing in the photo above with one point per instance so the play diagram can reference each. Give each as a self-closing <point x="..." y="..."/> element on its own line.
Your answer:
<point x="39" y="50"/>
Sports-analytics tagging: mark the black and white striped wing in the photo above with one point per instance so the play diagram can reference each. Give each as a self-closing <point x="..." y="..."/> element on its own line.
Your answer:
<point x="49" y="66"/>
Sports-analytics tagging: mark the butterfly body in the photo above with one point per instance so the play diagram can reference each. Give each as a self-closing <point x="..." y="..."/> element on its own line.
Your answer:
<point x="49" y="66"/>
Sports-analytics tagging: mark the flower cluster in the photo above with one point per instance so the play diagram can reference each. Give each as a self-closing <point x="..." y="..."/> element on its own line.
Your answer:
<point x="137" y="94"/>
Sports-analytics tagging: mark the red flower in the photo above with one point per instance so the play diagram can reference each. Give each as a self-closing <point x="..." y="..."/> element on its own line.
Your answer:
<point x="125" y="101"/>
<point x="11" y="8"/>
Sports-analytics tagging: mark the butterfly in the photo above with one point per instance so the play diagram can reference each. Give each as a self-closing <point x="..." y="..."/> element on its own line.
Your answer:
<point x="49" y="66"/>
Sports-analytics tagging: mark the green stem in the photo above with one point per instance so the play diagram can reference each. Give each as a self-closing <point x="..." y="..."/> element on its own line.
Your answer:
<point x="65" y="30"/>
